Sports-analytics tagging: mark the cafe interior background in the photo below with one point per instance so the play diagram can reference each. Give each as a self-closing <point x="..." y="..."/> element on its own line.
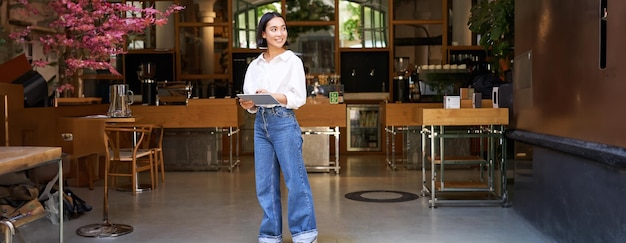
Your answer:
<point x="375" y="52"/>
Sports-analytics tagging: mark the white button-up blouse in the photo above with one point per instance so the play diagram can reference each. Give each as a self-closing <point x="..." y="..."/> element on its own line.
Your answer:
<point x="284" y="75"/>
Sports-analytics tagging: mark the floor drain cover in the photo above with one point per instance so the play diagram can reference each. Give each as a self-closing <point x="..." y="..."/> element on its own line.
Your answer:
<point x="382" y="196"/>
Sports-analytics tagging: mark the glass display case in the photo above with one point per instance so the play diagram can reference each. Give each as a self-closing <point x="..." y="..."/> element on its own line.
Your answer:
<point x="364" y="128"/>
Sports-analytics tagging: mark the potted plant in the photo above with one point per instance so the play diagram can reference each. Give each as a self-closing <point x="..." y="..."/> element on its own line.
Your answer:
<point x="494" y="21"/>
<point x="86" y="33"/>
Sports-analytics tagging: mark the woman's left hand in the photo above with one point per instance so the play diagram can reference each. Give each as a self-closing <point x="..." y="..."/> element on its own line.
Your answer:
<point x="246" y="104"/>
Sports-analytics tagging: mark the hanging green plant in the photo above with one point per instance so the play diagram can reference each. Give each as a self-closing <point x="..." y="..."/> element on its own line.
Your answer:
<point x="494" y="21"/>
<point x="350" y="29"/>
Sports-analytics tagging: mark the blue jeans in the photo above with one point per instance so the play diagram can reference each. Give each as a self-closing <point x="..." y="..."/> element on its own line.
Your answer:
<point x="278" y="146"/>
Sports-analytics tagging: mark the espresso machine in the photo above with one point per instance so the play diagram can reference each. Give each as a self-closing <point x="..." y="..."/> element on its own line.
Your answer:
<point x="146" y="73"/>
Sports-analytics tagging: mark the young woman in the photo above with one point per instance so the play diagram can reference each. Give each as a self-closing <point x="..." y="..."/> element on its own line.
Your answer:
<point x="277" y="134"/>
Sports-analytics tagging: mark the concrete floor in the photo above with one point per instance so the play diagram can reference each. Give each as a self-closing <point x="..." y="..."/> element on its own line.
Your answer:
<point x="220" y="206"/>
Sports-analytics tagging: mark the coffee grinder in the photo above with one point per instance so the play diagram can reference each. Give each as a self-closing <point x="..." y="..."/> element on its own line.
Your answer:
<point x="146" y="73"/>
<point x="401" y="80"/>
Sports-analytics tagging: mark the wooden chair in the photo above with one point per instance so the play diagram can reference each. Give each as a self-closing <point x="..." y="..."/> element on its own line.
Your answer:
<point x="4" y="103"/>
<point x="155" y="143"/>
<point x="125" y="146"/>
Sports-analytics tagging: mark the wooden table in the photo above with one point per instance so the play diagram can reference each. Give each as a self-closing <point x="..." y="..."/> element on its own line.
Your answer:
<point x="225" y="115"/>
<point x="77" y="101"/>
<point x="483" y="123"/>
<point x="18" y="158"/>
<point x="402" y="118"/>
<point x="329" y="116"/>
<point x="84" y="136"/>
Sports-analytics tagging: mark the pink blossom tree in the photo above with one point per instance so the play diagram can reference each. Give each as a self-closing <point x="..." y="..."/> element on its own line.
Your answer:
<point x="88" y="32"/>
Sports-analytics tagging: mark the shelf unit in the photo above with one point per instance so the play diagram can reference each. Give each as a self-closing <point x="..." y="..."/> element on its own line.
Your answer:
<point x="311" y="135"/>
<point x="486" y="124"/>
<point x="202" y="37"/>
<point x="364" y="129"/>
<point x="190" y="47"/>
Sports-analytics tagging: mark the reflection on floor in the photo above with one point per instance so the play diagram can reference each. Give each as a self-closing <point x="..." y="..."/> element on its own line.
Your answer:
<point x="219" y="206"/>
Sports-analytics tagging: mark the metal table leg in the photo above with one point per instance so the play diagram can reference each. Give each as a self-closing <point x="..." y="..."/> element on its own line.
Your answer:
<point x="106" y="228"/>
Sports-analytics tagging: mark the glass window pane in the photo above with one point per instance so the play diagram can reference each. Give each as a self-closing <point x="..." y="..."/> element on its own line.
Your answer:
<point x="374" y="28"/>
<point x="363" y="25"/>
<point x="349" y="24"/>
<point x="316" y="47"/>
<point x="202" y="52"/>
<point x="246" y="16"/>
<point x="310" y="10"/>
<point x="245" y="28"/>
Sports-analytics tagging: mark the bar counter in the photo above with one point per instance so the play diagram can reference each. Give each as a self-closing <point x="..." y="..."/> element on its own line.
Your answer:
<point x="43" y="126"/>
<point x="320" y="113"/>
<point x="319" y="120"/>
<point x="223" y="115"/>
<point x="198" y="113"/>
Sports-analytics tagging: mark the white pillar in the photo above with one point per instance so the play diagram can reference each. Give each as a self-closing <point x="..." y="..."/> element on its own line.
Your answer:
<point x="207" y="15"/>
<point x="461" y="34"/>
<point x="165" y="34"/>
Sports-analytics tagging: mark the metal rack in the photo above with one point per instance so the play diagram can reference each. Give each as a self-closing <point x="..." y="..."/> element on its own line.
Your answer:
<point x="231" y="162"/>
<point x="327" y="165"/>
<point x="404" y="119"/>
<point x="390" y="147"/>
<point x="486" y="125"/>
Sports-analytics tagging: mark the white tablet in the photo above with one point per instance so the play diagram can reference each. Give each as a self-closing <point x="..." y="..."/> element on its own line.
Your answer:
<point x="260" y="99"/>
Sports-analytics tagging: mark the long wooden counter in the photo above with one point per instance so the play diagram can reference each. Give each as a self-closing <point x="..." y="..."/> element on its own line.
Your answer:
<point x="322" y="114"/>
<point x="43" y="126"/>
<point x="198" y="113"/>
<point x="225" y="115"/>
<point x="40" y="126"/>
<point x="405" y="114"/>
<point x="466" y="117"/>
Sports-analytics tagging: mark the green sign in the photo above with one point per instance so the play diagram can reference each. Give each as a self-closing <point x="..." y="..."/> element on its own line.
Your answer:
<point x="334" y="97"/>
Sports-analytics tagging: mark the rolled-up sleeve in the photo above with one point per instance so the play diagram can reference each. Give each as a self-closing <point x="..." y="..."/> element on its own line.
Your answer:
<point x="296" y="95"/>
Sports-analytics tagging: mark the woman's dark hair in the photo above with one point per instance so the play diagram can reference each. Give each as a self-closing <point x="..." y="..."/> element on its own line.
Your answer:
<point x="260" y="41"/>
